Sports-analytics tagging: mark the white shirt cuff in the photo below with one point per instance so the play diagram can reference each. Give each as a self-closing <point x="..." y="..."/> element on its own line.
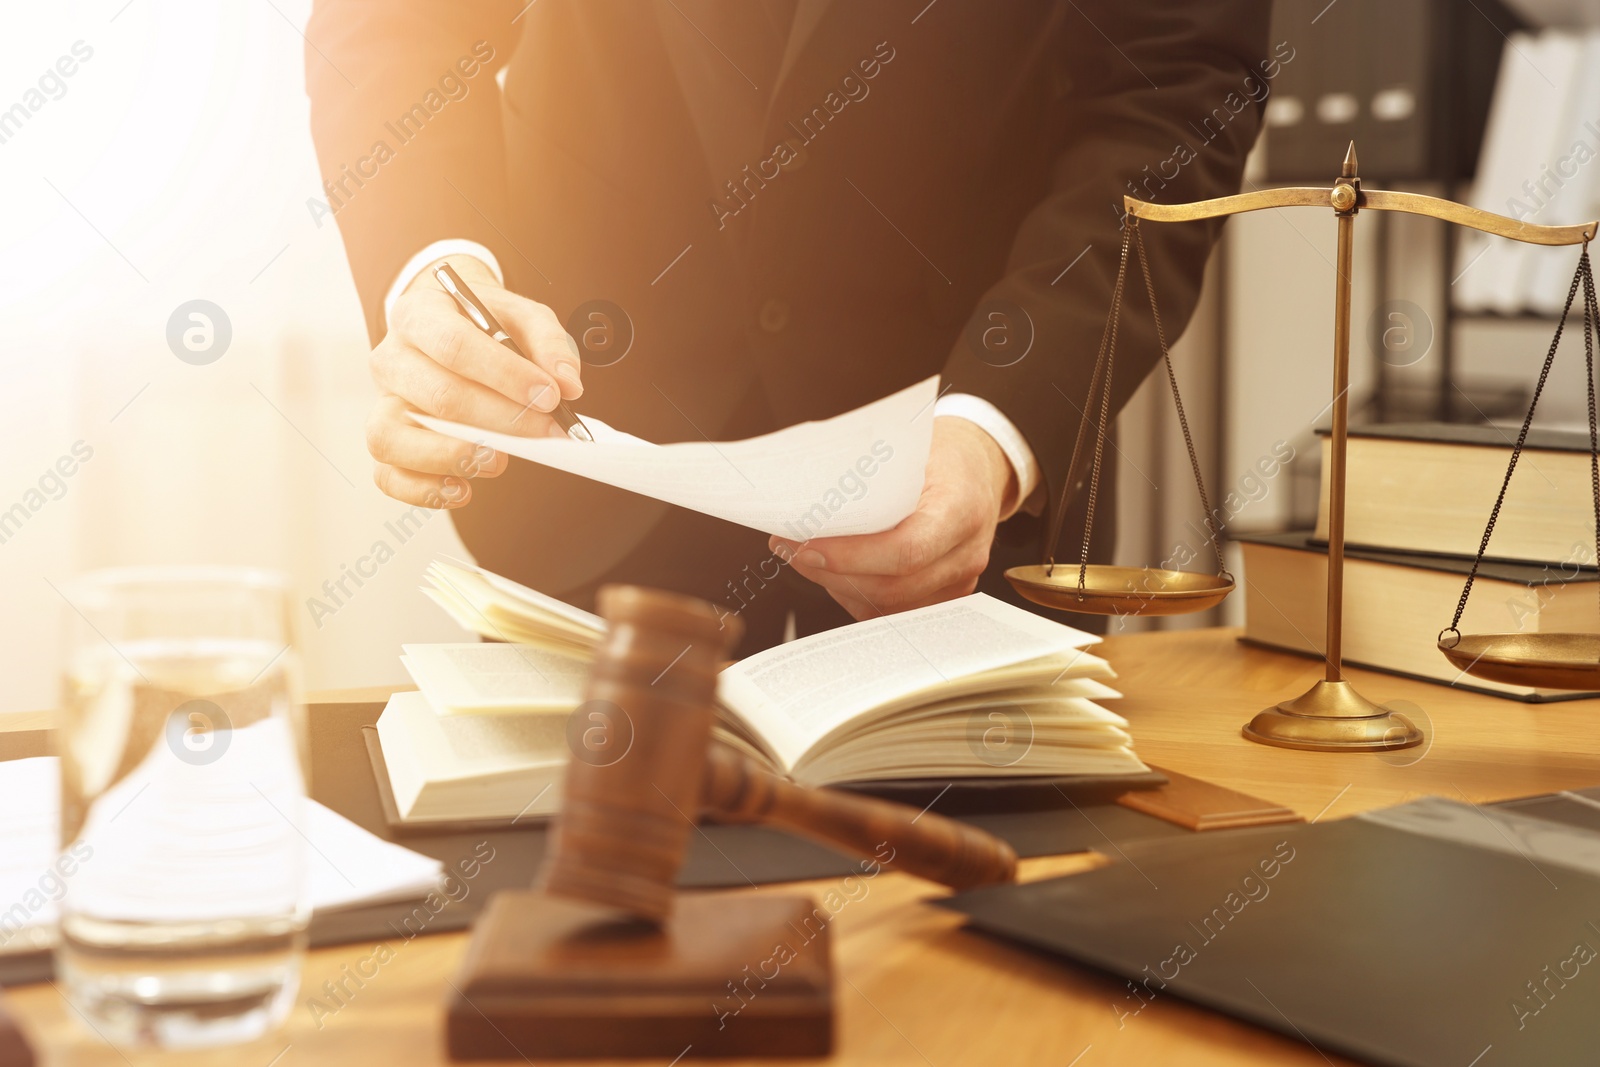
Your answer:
<point x="988" y="418"/>
<point x="438" y="250"/>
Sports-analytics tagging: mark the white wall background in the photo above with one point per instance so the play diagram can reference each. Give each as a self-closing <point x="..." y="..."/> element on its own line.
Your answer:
<point x="176" y="165"/>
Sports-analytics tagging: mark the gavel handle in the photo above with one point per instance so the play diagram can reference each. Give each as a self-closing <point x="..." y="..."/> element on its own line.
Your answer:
<point x="738" y="790"/>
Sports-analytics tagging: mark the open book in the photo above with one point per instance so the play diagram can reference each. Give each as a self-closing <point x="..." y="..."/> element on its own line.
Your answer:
<point x="971" y="688"/>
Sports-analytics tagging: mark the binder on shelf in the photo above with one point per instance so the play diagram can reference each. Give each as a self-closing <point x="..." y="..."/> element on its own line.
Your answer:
<point x="1409" y="82"/>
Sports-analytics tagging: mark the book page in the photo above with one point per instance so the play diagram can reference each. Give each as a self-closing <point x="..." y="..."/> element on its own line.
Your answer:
<point x="455" y="766"/>
<point x="503" y="610"/>
<point x="533" y="602"/>
<point x="487" y="677"/>
<point x="796" y="694"/>
<point x="856" y="473"/>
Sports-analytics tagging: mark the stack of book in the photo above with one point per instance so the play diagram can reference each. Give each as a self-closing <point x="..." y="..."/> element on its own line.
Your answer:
<point x="973" y="688"/>
<point x="1417" y="500"/>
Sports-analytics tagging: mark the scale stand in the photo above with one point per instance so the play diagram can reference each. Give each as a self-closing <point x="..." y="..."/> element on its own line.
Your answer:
<point x="1331" y="716"/>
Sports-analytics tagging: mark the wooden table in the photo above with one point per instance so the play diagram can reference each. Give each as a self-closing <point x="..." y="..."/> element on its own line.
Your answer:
<point x="917" y="989"/>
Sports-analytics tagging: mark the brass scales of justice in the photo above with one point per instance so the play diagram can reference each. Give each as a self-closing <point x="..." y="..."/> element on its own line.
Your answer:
<point x="1331" y="716"/>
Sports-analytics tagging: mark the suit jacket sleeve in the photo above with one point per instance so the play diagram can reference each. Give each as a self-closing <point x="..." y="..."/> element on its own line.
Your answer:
<point x="1144" y="77"/>
<point x="405" y="114"/>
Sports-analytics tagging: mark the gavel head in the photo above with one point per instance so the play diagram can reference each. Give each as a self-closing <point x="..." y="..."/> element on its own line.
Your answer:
<point x="639" y="744"/>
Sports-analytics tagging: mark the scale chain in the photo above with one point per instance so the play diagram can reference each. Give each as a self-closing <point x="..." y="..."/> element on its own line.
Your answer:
<point x="1100" y="390"/>
<point x="1183" y="420"/>
<point x="1591" y="321"/>
<point x="1105" y="413"/>
<point x="1585" y="276"/>
<point x="1100" y="364"/>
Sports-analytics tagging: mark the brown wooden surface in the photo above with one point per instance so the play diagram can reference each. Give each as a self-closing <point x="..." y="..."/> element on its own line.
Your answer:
<point x="916" y="989"/>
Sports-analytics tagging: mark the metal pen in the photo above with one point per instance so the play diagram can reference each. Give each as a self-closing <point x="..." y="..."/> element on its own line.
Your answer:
<point x="475" y="310"/>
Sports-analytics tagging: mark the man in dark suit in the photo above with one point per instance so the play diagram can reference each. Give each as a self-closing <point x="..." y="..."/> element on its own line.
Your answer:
<point x="750" y="213"/>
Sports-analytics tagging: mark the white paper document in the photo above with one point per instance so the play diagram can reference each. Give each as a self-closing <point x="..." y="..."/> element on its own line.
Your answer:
<point x="195" y="857"/>
<point x="856" y="473"/>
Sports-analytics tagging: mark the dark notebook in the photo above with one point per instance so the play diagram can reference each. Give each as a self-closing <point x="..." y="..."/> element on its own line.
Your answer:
<point x="952" y="797"/>
<point x="1530" y="574"/>
<point x="481" y="861"/>
<point x="1376" y="940"/>
<point x="1473" y="434"/>
<point x="1037" y="822"/>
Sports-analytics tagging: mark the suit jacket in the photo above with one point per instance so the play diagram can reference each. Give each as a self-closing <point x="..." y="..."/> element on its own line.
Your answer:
<point x="919" y="167"/>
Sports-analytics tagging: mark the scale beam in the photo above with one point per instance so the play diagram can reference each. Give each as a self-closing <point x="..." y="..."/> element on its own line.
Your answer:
<point x="1478" y="219"/>
<point x="1260" y="200"/>
<point x="1376" y="199"/>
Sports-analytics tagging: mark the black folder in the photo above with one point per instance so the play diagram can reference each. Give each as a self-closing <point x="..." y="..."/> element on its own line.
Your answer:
<point x="1387" y="945"/>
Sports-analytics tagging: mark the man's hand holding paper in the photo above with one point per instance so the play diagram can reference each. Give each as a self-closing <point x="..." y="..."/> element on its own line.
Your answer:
<point x="936" y="553"/>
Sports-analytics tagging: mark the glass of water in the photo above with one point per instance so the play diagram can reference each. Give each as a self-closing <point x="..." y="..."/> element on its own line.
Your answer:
<point x="182" y="788"/>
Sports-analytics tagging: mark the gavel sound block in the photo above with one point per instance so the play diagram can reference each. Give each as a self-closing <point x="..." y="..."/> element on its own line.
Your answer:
<point x="603" y="958"/>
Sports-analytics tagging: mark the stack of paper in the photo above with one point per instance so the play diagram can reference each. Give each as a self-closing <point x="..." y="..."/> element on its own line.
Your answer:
<point x="135" y="861"/>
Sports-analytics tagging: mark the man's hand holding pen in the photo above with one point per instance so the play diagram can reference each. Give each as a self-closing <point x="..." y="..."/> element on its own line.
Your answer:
<point x="435" y="360"/>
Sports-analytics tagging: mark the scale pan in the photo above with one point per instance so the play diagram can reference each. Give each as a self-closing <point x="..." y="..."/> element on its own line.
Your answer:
<point x="1547" y="661"/>
<point x="1120" y="590"/>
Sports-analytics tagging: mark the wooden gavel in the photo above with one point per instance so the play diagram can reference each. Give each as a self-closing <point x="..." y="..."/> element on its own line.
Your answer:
<point x="633" y="797"/>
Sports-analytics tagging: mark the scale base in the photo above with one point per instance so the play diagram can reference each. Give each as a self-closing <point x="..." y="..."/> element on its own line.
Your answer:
<point x="1332" y="717"/>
